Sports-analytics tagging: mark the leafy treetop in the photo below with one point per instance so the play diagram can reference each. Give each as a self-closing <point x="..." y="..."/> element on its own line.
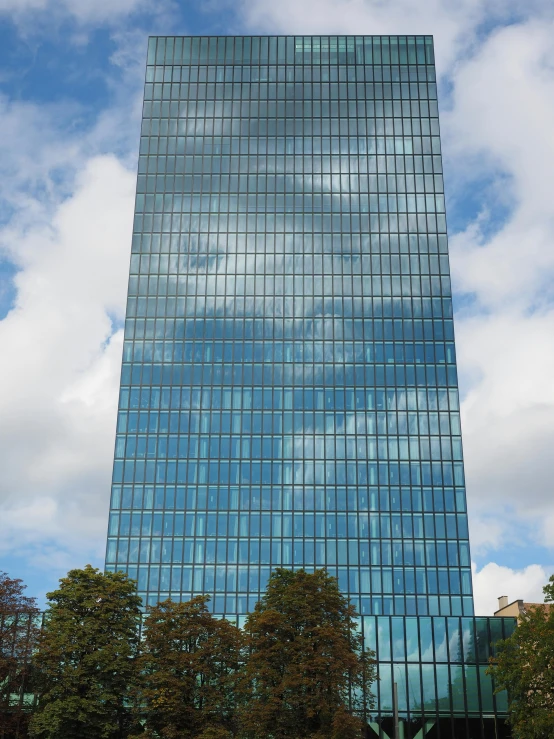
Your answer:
<point x="87" y="657"/>
<point x="524" y="666"/>
<point x="307" y="666"/>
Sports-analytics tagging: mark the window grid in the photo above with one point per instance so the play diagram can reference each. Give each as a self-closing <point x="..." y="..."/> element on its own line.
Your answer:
<point x="289" y="387"/>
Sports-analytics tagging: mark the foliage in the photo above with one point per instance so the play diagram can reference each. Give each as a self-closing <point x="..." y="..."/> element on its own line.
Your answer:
<point x="296" y="672"/>
<point x="306" y="668"/>
<point x="189" y="668"/>
<point x="18" y="633"/>
<point x="524" y="666"/>
<point x="87" y="657"/>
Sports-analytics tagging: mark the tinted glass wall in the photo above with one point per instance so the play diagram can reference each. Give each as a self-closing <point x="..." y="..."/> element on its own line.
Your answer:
<point x="289" y="392"/>
<point x="439" y="664"/>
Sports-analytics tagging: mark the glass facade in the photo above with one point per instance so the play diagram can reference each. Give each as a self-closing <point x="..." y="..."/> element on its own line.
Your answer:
<point x="439" y="666"/>
<point x="289" y="391"/>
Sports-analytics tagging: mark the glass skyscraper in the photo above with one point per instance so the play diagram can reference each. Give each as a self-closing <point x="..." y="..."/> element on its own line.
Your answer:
<point x="289" y="392"/>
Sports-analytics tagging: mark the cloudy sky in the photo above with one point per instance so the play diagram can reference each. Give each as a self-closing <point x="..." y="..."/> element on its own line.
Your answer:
<point x="71" y="74"/>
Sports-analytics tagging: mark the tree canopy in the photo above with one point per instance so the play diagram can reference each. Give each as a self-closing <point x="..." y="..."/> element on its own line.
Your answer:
<point x="524" y="666"/>
<point x="297" y="671"/>
<point x="86" y="659"/>
<point x="18" y="634"/>
<point x="307" y="669"/>
<point x="189" y="666"/>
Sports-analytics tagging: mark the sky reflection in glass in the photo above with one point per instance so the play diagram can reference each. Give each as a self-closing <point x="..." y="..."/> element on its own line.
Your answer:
<point x="289" y="391"/>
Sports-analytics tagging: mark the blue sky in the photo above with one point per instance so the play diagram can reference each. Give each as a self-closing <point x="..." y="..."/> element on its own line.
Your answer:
<point x="71" y="75"/>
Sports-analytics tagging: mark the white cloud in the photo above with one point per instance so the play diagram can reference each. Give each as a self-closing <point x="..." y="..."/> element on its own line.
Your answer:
<point x="67" y="188"/>
<point x="492" y="581"/>
<point x="500" y="123"/>
<point x="84" y="11"/>
<point x="58" y="396"/>
<point x="36" y="146"/>
<point x="43" y="146"/>
<point x="508" y="412"/>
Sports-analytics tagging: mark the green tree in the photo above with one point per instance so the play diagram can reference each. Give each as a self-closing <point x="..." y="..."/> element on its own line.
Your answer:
<point x="189" y="667"/>
<point x="18" y="634"/>
<point x="86" y="659"/>
<point x="524" y="666"/>
<point x="307" y="674"/>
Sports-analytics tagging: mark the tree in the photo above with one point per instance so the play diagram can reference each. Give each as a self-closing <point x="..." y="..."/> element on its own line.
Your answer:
<point x="307" y="674"/>
<point x="86" y="659"/>
<point x="189" y="667"/>
<point x="524" y="666"/>
<point x="18" y="633"/>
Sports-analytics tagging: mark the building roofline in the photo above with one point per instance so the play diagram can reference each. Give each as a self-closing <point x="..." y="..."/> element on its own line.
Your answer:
<point x="518" y="601"/>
